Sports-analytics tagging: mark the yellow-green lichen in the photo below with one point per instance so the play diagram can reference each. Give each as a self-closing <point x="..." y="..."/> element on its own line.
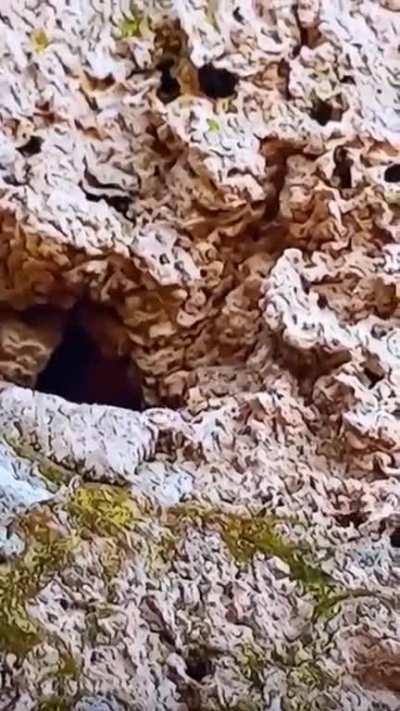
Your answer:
<point x="20" y="581"/>
<point x="131" y="26"/>
<point x="243" y="705"/>
<point x="104" y="510"/>
<point x="56" y="703"/>
<point x="53" y="474"/>
<point x="65" y="676"/>
<point x="213" y="126"/>
<point x="312" y="676"/>
<point x="111" y="559"/>
<point x="252" y="665"/>
<point x="68" y="667"/>
<point x="246" y="536"/>
<point x="40" y="40"/>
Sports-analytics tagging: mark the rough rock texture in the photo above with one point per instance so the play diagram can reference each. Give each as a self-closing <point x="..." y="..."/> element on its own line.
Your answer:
<point x="236" y="546"/>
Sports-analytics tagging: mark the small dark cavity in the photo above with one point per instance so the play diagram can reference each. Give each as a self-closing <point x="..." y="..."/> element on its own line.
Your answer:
<point x="378" y="331"/>
<point x="216" y="83"/>
<point x="305" y="284"/>
<point x="238" y="16"/>
<point x="347" y="79"/>
<point x="355" y="518"/>
<point x="322" y="112"/>
<point x="11" y="180"/>
<point x="392" y="173"/>
<point x="165" y="63"/>
<point x="79" y="372"/>
<point x="169" y="88"/>
<point x="322" y="301"/>
<point x="198" y="667"/>
<point x="120" y="203"/>
<point x="372" y="377"/>
<point x="32" y="147"/>
<point x="395" y="538"/>
<point x="342" y="169"/>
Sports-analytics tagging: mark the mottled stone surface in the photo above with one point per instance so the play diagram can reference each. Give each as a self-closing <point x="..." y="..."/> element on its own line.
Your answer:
<point x="236" y="546"/>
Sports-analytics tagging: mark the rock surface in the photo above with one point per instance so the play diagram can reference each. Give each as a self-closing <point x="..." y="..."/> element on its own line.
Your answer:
<point x="236" y="546"/>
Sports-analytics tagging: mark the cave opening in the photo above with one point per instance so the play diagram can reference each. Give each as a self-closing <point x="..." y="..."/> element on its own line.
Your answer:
<point x="80" y="372"/>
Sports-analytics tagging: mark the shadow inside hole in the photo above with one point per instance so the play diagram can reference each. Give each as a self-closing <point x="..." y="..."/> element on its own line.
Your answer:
<point x="353" y="518"/>
<point x="342" y="171"/>
<point x="79" y="372"/>
<point x="31" y="147"/>
<point x="198" y="666"/>
<point x="392" y="173"/>
<point x="395" y="538"/>
<point x="169" y="88"/>
<point x="216" y="83"/>
<point x="372" y="377"/>
<point x="323" y="112"/>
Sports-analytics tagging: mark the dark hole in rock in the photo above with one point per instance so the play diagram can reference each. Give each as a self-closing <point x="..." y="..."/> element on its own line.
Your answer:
<point x="354" y="517"/>
<point x="238" y="16"/>
<point x="347" y="79"/>
<point x="198" y="666"/>
<point x="216" y="83"/>
<point x="109" y="192"/>
<point x="392" y="173"/>
<point x="79" y="372"/>
<point x="322" y="112"/>
<point x="32" y="147"/>
<point x="395" y="538"/>
<point x="309" y="36"/>
<point x="169" y="88"/>
<point x="120" y="203"/>
<point x="305" y="284"/>
<point x="372" y="376"/>
<point x="342" y="168"/>
<point x="322" y="301"/>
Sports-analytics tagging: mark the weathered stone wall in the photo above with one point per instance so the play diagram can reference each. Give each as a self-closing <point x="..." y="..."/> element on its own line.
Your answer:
<point x="241" y="551"/>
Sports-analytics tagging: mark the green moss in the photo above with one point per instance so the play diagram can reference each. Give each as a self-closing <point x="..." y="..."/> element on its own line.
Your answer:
<point x="246" y="536"/>
<point x="213" y="126"/>
<point x="311" y="675"/>
<point x="252" y="664"/>
<point x="56" y="703"/>
<point x="103" y="509"/>
<point x="18" y="634"/>
<point x="131" y="25"/>
<point x="22" y="580"/>
<point x="242" y="705"/>
<point x="54" y="474"/>
<point x="68" y="667"/>
<point x="327" y="606"/>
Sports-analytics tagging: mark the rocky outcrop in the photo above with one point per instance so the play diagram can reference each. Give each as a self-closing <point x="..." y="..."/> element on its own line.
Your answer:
<point x="219" y="183"/>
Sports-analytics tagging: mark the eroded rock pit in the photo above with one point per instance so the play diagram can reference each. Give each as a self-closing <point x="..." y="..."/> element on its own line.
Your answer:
<point x="80" y="372"/>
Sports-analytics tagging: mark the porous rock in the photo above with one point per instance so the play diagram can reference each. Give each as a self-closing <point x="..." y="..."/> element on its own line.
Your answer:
<point x="235" y="547"/>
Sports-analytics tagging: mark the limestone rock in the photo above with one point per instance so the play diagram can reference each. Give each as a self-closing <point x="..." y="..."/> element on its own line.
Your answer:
<point x="236" y="545"/>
